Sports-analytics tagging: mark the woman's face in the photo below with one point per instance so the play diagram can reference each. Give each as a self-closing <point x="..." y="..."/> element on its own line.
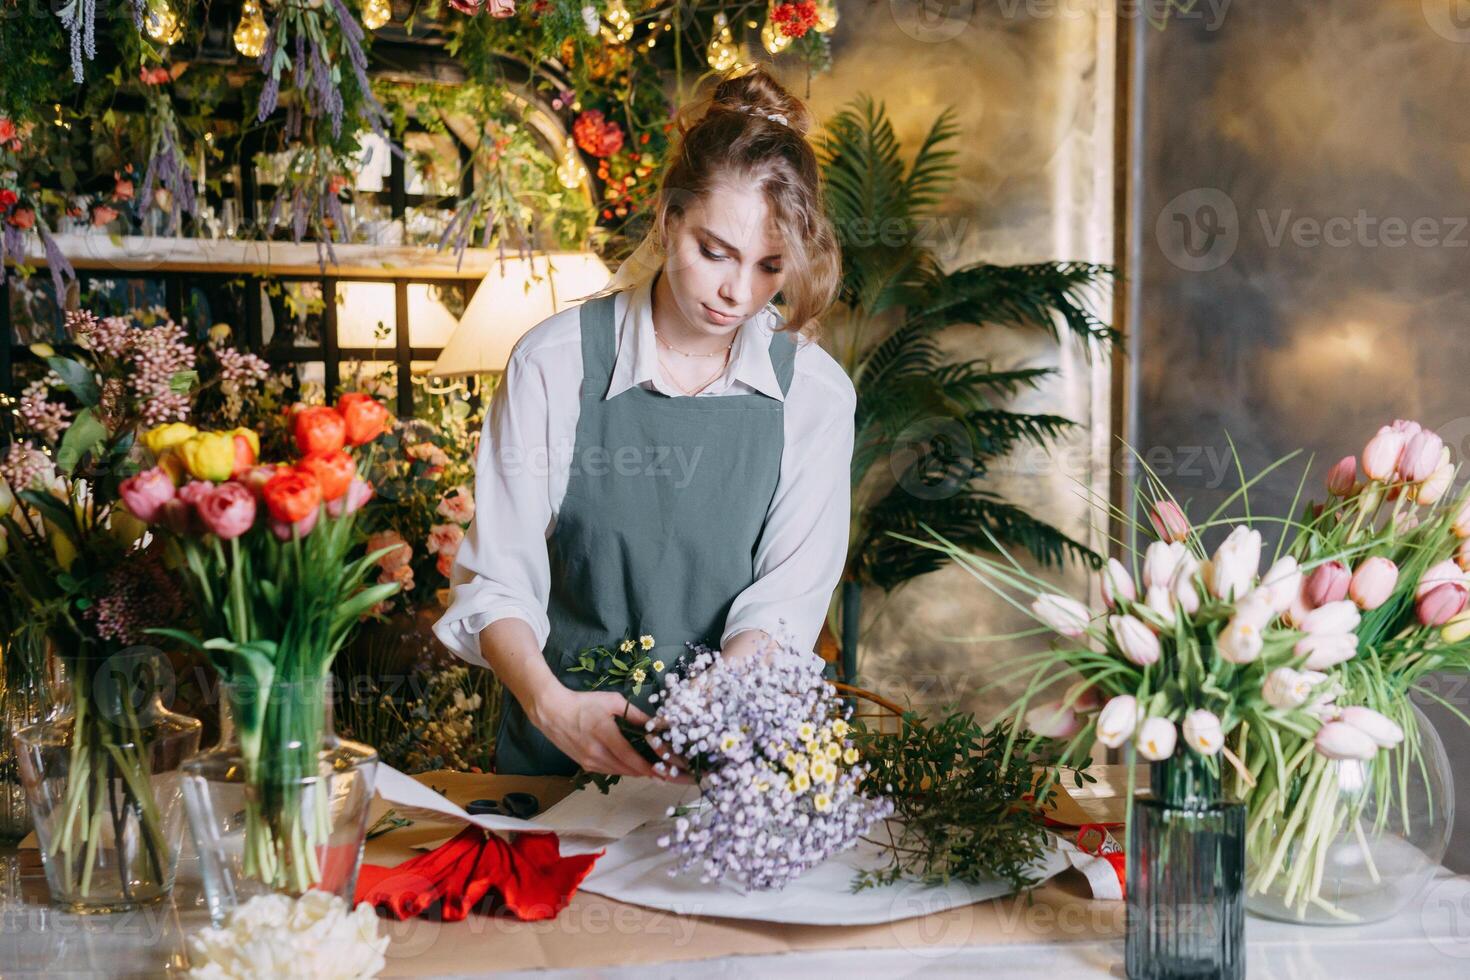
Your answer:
<point x="724" y="258"/>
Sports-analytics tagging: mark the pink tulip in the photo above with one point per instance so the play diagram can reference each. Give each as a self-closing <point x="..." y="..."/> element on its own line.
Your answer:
<point x="1442" y="604"/>
<point x="1373" y="583"/>
<point x="1438" y="483"/>
<point x="228" y="510"/>
<point x="1137" y="642"/>
<point x="1052" y="720"/>
<point x="146" y="493"/>
<point x="194" y="491"/>
<point x="1117" y="584"/>
<point x="302" y="527"/>
<point x="1381" y="455"/>
<point x="359" y="492"/>
<point x="1339" y="740"/>
<point x="1169" y="521"/>
<point x="1420" y="457"/>
<point x="1343" y="476"/>
<point x="1327" y="583"/>
<point x="1445" y="572"/>
<point x="1064" y="614"/>
<point x="1380" y="728"/>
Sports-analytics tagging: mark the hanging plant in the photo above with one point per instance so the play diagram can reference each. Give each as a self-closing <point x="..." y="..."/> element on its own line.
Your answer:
<point x="19" y="214"/>
<point x="168" y="183"/>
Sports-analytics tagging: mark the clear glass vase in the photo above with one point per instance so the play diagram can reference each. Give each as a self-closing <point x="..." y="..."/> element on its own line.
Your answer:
<point x="1186" y="876"/>
<point x="1355" y="841"/>
<point x="101" y="775"/>
<point x="25" y="700"/>
<point x="280" y="805"/>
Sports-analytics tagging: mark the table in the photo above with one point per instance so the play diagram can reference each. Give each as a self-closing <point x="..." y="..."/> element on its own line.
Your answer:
<point x="1061" y="933"/>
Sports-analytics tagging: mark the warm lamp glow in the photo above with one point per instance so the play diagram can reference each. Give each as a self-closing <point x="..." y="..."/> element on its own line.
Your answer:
<point x="516" y="295"/>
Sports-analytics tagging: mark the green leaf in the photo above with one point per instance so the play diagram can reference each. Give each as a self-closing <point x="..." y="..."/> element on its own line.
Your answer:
<point x="76" y="378"/>
<point x="84" y="435"/>
<point x="183" y="382"/>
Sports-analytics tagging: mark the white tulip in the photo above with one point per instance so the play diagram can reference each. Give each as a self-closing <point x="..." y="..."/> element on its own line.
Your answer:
<point x="1235" y="564"/>
<point x="1160" y="561"/>
<point x="1202" y="732"/>
<point x="1117" y="720"/>
<point x="1117" y="584"/>
<point x="1137" y="642"/>
<point x="1065" y="615"/>
<point x="1285" y="688"/>
<point x="1053" y="720"/>
<point x="1376" y="726"/>
<point x="1239" y="642"/>
<point x="1282" y="583"/>
<point x="1326" y="651"/>
<point x="1334" y="617"/>
<point x="1160" y="602"/>
<point x="1156" y="739"/>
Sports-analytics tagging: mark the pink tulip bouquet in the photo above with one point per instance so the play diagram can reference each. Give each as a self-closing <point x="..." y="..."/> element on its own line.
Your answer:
<point x="1273" y="678"/>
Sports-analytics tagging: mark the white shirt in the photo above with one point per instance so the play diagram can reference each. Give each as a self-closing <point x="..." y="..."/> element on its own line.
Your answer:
<point x="524" y="458"/>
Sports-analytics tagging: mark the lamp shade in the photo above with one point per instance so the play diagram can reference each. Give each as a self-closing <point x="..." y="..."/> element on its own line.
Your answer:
<point x="513" y="297"/>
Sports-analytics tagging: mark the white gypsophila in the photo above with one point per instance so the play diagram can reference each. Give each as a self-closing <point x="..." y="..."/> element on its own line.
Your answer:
<point x="315" y="936"/>
<point x="779" y="778"/>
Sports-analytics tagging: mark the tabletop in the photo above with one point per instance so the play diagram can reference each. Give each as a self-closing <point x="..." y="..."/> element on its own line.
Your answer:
<point x="1057" y="930"/>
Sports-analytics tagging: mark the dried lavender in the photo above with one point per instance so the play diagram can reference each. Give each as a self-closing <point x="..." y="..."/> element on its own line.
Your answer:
<point x="779" y="778"/>
<point x="56" y="262"/>
<point x="80" y="20"/>
<point x="168" y="166"/>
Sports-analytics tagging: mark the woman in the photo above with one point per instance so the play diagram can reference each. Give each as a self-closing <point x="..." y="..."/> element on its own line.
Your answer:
<point x="670" y="458"/>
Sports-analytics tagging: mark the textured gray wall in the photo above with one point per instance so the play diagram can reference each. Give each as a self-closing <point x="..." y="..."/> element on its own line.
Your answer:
<point x="1303" y="245"/>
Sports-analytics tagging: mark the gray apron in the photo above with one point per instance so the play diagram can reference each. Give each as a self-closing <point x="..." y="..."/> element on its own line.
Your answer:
<point x="665" y="503"/>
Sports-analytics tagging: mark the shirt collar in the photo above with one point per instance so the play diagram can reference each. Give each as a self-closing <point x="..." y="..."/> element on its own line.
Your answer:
<point x="637" y="357"/>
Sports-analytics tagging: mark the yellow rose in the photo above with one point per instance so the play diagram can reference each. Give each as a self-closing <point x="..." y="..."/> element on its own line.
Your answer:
<point x="209" y="456"/>
<point x="161" y="438"/>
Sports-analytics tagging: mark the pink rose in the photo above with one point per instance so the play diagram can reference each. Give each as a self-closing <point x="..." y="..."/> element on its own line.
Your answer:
<point x="395" y="559"/>
<point x="445" y="563"/>
<point x="457" y="506"/>
<point x="193" y="492"/>
<point x="359" y="492"/>
<point x="146" y="493"/>
<point x="302" y="527"/>
<point x="228" y="510"/>
<point x="501" y="8"/>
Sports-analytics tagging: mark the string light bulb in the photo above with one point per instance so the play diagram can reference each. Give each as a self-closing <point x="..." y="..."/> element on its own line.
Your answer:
<point x="826" y="16"/>
<point x="620" y="23"/>
<point x="772" y="38"/>
<point x="722" y="53"/>
<point x="570" y="171"/>
<point x="251" y="31"/>
<point x="161" y="23"/>
<point x="376" y="13"/>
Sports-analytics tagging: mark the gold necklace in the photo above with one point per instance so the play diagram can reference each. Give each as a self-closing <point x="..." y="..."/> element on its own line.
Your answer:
<point x="709" y="381"/>
<point x="686" y="353"/>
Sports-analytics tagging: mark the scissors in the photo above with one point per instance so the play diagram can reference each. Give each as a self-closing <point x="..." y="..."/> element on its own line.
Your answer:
<point x="522" y="806"/>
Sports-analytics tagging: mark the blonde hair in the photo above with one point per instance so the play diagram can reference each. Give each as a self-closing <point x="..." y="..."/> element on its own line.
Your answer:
<point x="748" y="127"/>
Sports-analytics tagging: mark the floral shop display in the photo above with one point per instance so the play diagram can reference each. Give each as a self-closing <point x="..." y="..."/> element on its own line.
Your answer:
<point x="101" y="772"/>
<point x="1246" y="689"/>
<point x="273" y="561"/>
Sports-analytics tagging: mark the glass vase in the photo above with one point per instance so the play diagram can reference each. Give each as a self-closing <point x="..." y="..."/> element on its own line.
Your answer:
<point x="25" y="700"/>
<point x="280" y="805"/>
<point x="1186" y="876"/>
<point x="1355" y="841"/>
<point x="101" y="778"/>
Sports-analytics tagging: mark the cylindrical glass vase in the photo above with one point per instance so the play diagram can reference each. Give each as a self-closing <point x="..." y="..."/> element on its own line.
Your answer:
<point x="24" y="701"/>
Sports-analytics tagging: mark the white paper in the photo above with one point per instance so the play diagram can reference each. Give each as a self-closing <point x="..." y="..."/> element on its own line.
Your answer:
<point x="586" y="813"/>
<point x="636" y="870"/>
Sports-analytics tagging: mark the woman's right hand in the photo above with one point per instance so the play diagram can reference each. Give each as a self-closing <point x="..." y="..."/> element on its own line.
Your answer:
<point x="583" y="724"/>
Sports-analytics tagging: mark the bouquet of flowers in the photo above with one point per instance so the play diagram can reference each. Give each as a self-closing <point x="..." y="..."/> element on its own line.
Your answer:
<point x="268" y="555"/>
<point x="779" y="775"/>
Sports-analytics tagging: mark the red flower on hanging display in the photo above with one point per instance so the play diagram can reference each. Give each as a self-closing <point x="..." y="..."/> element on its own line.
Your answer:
<point x="23" y="218"/>
<point x="7" y="198"/>
<point x="597" y="136"/>
<point x="795" y="19"/>
<point x="154" y="76"/>
<point x="7" y="130"/>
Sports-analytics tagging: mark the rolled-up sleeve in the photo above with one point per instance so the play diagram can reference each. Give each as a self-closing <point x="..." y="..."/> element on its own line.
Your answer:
<point x="803" y="547"/>
<point x="502" y="569"/>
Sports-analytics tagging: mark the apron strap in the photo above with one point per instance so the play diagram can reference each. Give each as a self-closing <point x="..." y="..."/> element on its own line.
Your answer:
<point x="599" y="344"/>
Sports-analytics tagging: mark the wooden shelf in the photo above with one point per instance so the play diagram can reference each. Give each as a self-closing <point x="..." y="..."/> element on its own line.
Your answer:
<point x="140" y="254"/>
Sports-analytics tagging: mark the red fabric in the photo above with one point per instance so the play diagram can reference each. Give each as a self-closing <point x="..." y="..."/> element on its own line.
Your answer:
<point x="528" y="876"/>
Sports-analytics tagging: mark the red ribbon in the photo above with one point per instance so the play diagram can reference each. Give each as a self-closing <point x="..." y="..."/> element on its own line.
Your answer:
<point x="527" y="875"/>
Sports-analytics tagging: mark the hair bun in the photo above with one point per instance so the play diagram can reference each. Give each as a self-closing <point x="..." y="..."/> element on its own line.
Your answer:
<point x="754" y="91"/>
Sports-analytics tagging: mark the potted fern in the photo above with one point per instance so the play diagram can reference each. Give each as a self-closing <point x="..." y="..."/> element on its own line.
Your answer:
<point x="928" y="424"/>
